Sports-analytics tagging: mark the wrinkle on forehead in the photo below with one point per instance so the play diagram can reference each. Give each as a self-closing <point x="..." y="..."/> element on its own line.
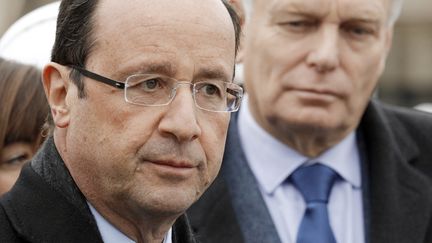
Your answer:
<point x="337" y="10"/>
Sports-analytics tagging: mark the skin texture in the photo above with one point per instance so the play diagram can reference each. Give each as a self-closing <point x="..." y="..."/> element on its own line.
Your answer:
<point x="311" y="67"/>
<point x="141" y="167"/>
<point x="12" y="158"/>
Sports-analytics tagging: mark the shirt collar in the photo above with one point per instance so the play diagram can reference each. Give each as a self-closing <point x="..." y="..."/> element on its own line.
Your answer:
<point x="111" y="234"/>
<point x="272" y="161"/>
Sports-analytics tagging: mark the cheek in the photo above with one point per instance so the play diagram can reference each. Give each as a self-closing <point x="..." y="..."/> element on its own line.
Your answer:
<point x="366" y="67"/>
<point x="7" y="179"/>
<point x="109" y="134"/>
<point x="213" y="141"/>
<point x="269" y="63"/>
<point x="364" y="73"/>
<point x="364" y="85"/>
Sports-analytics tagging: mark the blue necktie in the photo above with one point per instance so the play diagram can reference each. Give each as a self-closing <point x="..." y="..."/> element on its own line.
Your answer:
<point x="315" y="183"/>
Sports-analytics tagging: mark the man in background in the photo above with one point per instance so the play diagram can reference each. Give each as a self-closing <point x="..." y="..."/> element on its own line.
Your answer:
<point x="140" y="95"/>
<point x="311" y="157"/>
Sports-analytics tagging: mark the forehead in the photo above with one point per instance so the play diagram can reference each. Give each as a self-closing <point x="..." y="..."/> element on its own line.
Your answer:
<point x="184" y="29"/>
<point x="341" y="9"/>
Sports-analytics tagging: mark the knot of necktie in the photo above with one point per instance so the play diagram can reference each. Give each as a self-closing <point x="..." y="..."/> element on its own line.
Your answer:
<point x="314" y="182"/>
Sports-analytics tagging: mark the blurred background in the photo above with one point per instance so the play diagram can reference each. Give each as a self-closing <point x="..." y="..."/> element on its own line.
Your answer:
<point x="407" y="80"/>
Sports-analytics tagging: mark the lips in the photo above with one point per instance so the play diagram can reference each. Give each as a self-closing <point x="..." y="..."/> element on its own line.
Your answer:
<point x="174" y="164"/>
<point x="168" y="170"/>
<point x="315" y="91"/>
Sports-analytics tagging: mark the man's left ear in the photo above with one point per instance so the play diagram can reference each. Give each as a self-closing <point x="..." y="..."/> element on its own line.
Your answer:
<point x="55" y="81"/>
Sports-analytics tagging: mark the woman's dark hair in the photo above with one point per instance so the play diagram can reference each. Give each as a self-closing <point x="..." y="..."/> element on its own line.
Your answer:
<point x="23" y="106"/>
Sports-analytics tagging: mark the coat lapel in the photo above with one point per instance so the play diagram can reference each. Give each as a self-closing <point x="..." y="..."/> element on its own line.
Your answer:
<point x="182" y="231"/>
<point x="235" y="213"/>
<point x="249" y="206"/>
<point x="213" y="218"/>
<point x="398" y="199"/>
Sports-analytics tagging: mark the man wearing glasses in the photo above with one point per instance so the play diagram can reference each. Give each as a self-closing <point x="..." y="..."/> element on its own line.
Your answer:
<point x="140" y="95"/>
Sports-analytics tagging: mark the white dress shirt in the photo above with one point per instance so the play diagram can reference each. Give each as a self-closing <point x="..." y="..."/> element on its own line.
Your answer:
<point x="272" y="162"/>
<point x="111" y="234"/>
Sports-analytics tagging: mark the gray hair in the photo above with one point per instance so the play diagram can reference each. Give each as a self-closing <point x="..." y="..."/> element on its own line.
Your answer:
<point x="395" y="10"/>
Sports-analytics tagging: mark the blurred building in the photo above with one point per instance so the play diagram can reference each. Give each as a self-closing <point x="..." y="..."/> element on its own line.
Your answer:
<point x="408" y="77"/>
<point x="11" y="10"/>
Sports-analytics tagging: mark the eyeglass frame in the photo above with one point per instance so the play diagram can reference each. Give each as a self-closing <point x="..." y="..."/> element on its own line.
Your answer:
<point x="122" y="85"/>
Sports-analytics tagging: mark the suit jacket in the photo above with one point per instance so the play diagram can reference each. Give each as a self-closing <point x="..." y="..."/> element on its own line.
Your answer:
<point x="45" y="205"/>
<point x="396" y="145"/>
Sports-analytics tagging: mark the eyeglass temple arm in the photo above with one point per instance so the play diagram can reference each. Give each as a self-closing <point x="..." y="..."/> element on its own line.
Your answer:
<point x="236" y="93"/>
<point x="97" y="77"/>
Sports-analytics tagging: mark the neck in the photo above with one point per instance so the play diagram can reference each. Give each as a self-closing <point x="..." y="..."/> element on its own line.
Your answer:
<point x="142" y="229"/>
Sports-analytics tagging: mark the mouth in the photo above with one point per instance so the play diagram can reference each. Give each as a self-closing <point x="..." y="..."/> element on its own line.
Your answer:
<point x="173" y="164"/>
<point x="316" y="94"/>
<point x="170" y="169"/>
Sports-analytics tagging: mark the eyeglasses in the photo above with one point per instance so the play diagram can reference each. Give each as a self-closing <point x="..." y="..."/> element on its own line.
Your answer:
<point x="159" y="90"/>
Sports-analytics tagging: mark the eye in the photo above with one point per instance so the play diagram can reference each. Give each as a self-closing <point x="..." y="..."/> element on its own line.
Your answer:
<point x="299" y="25"/>
<point x="358" y="31"/>
<point x="209" y="89"/>
<point x="16" y="160"/>
<point x="151" y="85"/>
<point x="15" y="154"/>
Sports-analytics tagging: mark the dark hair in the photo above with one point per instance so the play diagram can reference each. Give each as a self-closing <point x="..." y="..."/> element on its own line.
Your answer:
<point x="23" y="106"/>
<point x="236" y="22"/>
<point x="74" y="41"/>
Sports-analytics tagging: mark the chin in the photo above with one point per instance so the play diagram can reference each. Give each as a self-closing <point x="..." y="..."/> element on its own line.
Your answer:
<point x="171" y="201"/>
<point x="310" y="123"/>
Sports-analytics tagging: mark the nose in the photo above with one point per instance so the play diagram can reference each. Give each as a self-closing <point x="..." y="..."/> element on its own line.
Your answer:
<point x="180" y="119"/>
<point x="324" y="54"/>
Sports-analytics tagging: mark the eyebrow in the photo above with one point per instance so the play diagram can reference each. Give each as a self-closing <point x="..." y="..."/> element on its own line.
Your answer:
<point x="170" y="70"/>
<point x="165" y="68"/>
<point x="364" y="20"/>
<point x="216" y="73"/>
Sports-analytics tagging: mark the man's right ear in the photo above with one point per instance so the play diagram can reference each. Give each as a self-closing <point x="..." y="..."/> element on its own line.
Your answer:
<point x="55" y="78"/>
